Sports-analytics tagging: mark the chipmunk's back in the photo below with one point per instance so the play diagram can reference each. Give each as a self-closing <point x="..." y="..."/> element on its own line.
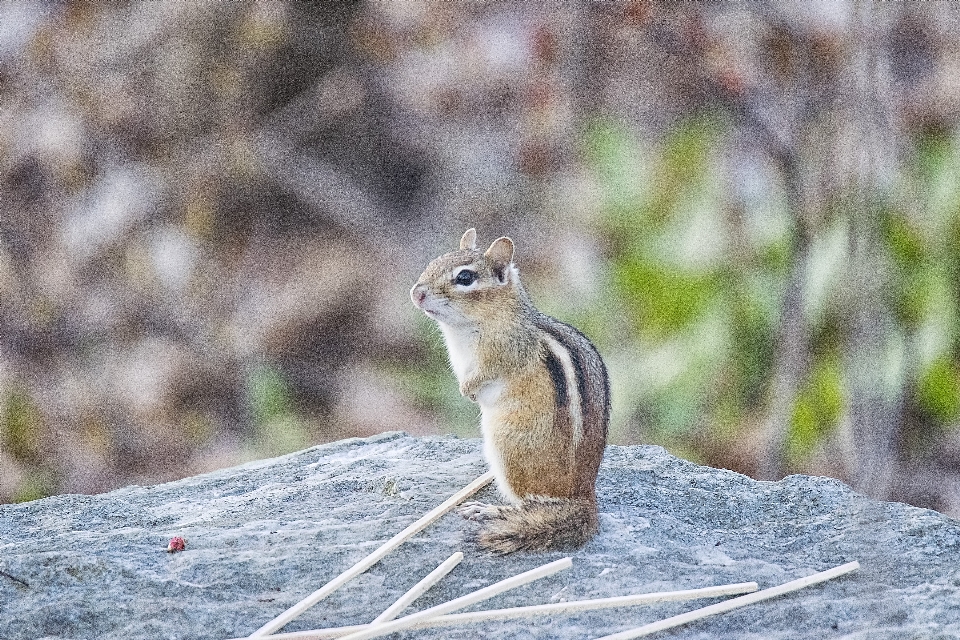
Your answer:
<point x="582" y="389"/>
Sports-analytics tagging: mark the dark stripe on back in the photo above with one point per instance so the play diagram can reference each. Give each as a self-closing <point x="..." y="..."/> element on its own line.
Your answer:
<point x="573" y="349"/>
<point x="595" y="408"/>
<point x="556" y="373"/>
<point x="594" y="386"/>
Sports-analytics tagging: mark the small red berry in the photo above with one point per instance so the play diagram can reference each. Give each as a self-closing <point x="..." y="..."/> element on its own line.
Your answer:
<point x="176" y="544"/>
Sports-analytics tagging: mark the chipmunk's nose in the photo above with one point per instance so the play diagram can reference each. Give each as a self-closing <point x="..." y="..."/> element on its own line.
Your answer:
<point x="418" y="294"/>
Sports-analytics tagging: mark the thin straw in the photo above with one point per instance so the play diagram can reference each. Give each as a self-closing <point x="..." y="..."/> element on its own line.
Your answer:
<point x="374" y="631"/>
<point x="733" y="603"/>
<point x="590" y="605"/>
<point x="538" y="610"/>
<point x="419" y="589"/>
<point x="374" y="557"/>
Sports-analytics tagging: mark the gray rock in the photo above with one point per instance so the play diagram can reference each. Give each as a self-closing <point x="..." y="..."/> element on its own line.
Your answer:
<point x="263" y="535"/>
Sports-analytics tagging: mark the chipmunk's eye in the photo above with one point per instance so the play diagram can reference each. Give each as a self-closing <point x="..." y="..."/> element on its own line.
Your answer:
<point x="465" y="277"/>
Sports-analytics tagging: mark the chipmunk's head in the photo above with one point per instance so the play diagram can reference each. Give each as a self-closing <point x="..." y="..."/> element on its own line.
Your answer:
<point x="469" y="286"/>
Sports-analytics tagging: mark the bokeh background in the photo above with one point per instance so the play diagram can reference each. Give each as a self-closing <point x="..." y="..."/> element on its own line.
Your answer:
<point x="211" y="214"/>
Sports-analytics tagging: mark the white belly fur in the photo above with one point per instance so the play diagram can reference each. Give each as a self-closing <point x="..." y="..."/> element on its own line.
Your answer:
<point x="461" y="347"/>
<point x="487" y="399"/>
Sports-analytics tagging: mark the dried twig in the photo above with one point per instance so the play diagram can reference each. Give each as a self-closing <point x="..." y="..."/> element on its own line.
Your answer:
<point x="374" y="557"/>
<point x="733" y="603"/>
<point x="374" y="631"/>
<point x="539" y="610"/>
<point x="599" y="603"/>
<point x="418" y="589"/>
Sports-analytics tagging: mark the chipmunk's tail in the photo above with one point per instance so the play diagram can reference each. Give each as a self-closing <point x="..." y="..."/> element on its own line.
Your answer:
<point x="541" y="523"/>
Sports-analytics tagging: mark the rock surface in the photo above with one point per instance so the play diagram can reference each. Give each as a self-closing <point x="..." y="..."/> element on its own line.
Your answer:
<point x="263" y="535"/>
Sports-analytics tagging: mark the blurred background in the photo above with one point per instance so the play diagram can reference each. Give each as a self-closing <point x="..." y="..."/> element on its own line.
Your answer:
<point x="211" y="214"/>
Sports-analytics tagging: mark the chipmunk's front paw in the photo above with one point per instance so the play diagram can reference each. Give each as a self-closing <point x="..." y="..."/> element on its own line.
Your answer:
<point x="478" y="511"/>
<point x="469" y="390"/>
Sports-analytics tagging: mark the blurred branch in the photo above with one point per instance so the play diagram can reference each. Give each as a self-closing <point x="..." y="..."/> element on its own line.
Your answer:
<point x="778" y="141"/>
<point x="875" y="409"/>
<point x="318" y="184"/>
<point x="777" y="123"/>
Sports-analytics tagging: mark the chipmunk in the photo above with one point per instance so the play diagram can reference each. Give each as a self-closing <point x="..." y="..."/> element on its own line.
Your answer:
<point x="543" y="393"/>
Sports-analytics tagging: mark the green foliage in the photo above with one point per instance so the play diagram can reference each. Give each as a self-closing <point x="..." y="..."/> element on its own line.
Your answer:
<point x="661" y="301"/>
<point x="278" y="427"/>
<point x="911" y="261"/>
<point x="37" y="484"/>
<point x="938" y="390"/>
<point x="925" y="246"/>
<point x="817" y="408"/>
<point x="269" y="395"/>
<point x="691" y="310"/>
<point x="20" y="427"/>
<point x="616" y="160"/>
<point x="904" y="241"/>
<point x="663" y="295"/>
<point x="752" y="326"/>
<point x="937" y="174"/>
<point x="703" y="320"/>
<point x="642" y="191"/>
<point x="773" y="257"/>
<point x="684" y="164"/>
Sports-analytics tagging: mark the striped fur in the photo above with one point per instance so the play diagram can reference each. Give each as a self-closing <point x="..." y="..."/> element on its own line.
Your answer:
<point x="561" y="361"/>
<point x="593" y="389"/>
<point x="543" y="392"/>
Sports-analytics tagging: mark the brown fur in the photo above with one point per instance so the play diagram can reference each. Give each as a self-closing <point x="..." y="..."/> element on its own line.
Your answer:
<point x="540" y="524"/>
<point x="530" y="425"/>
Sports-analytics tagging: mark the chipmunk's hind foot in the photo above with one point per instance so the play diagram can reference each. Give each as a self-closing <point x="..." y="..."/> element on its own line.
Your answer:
<point x="479" y="510"/>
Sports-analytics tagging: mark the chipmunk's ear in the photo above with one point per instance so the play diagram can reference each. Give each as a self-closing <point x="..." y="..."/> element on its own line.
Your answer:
<point x="469" y="240"/>
<point x="501" y="251"/>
